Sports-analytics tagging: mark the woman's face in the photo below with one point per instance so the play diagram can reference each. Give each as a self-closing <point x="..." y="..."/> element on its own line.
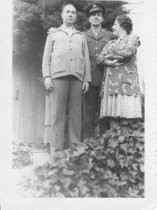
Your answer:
<point x="69" y="14"/>
<point x="117" y="29"/>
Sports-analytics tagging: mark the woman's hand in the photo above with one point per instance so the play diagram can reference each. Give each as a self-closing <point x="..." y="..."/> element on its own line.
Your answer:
<point x="105" y="59"/>
<point x="114" y="62"/>
<point x="48" y="83"/>
<point x="113" y="56"/>
<point x="99" y="58"/>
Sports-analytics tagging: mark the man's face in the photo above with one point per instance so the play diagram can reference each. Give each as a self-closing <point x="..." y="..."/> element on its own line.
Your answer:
<point x="96" y="18"/>
<point x="69" y="14"/>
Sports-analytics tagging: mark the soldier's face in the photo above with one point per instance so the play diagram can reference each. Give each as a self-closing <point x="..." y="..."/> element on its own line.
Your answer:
<point x="96" y="18"/>
<point x="69" y="14"/>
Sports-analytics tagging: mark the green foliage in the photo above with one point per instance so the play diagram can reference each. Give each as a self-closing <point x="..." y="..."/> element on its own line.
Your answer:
<point x="21" y="155"/>
<point x="32" y="19"/>
<point x="27" y="32"/>
<point x="109" y="166"/>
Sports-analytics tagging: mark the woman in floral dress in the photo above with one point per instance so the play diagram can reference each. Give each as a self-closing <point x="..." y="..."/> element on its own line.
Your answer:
<point x="120" y="90"/>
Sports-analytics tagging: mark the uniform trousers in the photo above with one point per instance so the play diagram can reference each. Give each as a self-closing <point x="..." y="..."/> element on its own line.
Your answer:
<point x="91" y="111"/>
<point x="65" y="99"/>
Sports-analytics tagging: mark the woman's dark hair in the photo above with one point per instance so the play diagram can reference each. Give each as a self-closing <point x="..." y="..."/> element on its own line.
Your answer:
<point x="68" y="3"/>
<point x="125" y="22"/>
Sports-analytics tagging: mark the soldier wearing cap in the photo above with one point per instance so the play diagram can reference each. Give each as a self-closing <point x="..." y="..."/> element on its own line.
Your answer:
<point x="96" y="38"/>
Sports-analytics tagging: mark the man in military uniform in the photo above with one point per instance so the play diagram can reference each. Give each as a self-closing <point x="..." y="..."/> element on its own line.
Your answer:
<point x="96" y="38"/>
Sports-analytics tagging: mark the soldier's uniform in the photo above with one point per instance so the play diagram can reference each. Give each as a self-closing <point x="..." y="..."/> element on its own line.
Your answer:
<point x="91" y="100"/>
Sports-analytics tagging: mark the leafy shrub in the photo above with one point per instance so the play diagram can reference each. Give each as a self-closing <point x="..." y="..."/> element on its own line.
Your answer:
<point x="21" y="155"/>
<point x="110" y="166"/>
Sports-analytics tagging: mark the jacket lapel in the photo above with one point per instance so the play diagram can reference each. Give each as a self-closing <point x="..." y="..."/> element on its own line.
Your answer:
<point x="101" y="33"/>
<point x="90" y="34"/>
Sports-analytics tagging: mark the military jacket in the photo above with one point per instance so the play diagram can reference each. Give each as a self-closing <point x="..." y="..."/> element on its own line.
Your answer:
<point x="95" y="45"/>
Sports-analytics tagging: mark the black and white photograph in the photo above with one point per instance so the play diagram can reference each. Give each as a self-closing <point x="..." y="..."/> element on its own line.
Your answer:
<point x="81" y="123"/>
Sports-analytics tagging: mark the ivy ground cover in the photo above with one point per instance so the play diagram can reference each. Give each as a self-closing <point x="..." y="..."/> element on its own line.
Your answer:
<point x="108" y="166"/>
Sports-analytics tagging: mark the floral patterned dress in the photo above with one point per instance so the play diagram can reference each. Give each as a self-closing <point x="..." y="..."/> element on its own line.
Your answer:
<point x="120" y="90"/>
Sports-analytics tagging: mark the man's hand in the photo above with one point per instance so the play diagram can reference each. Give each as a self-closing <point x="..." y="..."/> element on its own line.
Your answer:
<point x="85" y="87"/>
<point x="48" y="83"/>
<point x="51" y="30"/>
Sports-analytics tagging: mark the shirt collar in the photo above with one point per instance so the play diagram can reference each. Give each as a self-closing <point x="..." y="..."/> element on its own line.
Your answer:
<point x="62" y="28"/>
<point x="96" y="31"/>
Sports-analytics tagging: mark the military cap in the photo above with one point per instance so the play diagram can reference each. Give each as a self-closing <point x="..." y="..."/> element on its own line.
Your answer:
<point x="94" y="7"/>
